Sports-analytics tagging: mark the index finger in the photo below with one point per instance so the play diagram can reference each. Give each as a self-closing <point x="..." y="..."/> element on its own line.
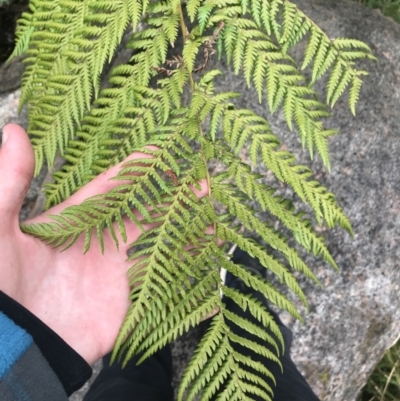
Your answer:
<point x="102" y="184"/>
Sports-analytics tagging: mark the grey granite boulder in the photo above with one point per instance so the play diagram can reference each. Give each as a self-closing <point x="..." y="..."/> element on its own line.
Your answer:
<point x="10" y="75"/>
<point x="355" y="317"/>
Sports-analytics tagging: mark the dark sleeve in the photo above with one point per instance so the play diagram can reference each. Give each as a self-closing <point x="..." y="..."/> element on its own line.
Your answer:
<point x="34" y="360"/>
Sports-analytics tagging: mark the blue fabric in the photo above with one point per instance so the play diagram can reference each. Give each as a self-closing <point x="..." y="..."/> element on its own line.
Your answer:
<point x="14" y="341"/>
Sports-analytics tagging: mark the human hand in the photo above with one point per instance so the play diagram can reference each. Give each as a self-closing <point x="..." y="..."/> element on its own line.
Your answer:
<point x="82" y="297"/>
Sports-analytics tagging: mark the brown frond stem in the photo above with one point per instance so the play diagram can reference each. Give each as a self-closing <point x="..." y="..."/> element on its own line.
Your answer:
<point x="208" y="48"/>
<point x="173" y="177"/>
<point x="176" y="60"/>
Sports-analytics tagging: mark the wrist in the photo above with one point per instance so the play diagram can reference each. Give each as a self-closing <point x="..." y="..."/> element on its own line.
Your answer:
<point x="69" y="366"/>
<point x="82" y="344"/>
<point x="62" y="322"/>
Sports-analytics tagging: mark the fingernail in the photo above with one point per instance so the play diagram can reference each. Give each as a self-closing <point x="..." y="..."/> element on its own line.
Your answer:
<point x="5" y="135"/>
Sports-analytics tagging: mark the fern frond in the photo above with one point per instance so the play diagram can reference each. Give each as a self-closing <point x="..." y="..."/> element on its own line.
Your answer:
<point x="128" y="132"/>
<point x="84" y="155"/>
<point x="174" y="278"/>
<point x="170" y="307"/>
<point x="82" y="150"/>
<point x="70" y="33"/>
<point x="27" y="25"/>
<point x="321" y="51"/>
<point x="236" y="206"/>
<point x="44" y="54"/>
<point x="23" y="35"/>
<point x="165" y="255"/>
<point x="73" y="75"/>
<point x="219" y="363"/>
<point x="164" y="314"/>
<point x="99" y="211"/>
<point x="190" y="51"/>
<point x="228" y="233"/>
<point x="265" y="65"/>
<point x="240" y="126"/>
<point x="171" y="331"/>
<point x="206" y="349"/>
<point x="279" y="207"/>
<point x="205" y="104"/>
<point x="192" y="7"/>
<point x="281" y="163"/>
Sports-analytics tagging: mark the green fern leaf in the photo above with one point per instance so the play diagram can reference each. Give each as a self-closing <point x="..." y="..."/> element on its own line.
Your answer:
<point x="192" y="8"/>
<point x="354" y="94"/>
<point x="183" y="125"/>
<point x="236" y="207"/>
<point x="279" y="207"/>
<point x="225" y="232"/>
<point x="112" y="104"/>
<point x="321" y="50"/>
<point x="190" y="51"/>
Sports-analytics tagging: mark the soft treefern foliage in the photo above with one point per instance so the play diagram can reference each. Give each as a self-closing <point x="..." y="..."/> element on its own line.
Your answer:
<point x="67" y="44"/>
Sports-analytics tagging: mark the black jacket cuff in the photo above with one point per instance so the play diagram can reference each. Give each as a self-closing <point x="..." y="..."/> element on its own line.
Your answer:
<point x="71" y="369"/>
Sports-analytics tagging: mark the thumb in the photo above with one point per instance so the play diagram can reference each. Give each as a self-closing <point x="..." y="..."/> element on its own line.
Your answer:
<point x="16" y="171"/>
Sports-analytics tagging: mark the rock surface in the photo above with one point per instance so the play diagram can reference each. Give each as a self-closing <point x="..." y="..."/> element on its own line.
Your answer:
<point x="356" y="316"/>
<point x="10" y="75"/>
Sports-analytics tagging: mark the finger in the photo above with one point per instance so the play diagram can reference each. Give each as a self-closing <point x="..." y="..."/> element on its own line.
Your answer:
<point x="16" y="171"/>
<point x="203" y="191"/>
<point x="99" y="185"/>
<point x="135" y="222"/>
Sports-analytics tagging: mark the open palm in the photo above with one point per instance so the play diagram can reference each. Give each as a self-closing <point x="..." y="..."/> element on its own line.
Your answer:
<point x="82" y="297"/>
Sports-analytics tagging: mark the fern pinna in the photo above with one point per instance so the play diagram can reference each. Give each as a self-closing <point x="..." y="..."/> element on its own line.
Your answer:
<point x="67" y="44"/>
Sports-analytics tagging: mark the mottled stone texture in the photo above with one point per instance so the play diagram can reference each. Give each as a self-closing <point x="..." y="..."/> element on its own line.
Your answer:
<point x="10" y="75"/>
<point x="355" y="317"/>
